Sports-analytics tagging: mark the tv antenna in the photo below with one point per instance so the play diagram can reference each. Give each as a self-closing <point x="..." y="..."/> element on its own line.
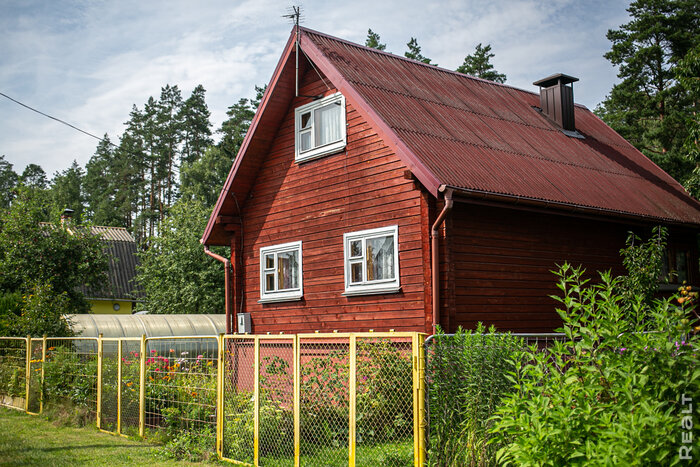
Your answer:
<point x="295" y="16"/>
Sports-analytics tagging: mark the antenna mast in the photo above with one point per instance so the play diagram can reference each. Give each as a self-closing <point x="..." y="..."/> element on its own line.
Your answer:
<point x="294" y="16"/>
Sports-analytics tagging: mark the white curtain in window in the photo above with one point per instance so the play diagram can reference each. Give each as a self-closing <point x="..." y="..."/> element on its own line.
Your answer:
<point x="287" y="270"/>
<point x="380" y="258"/>
<point x="327" y="124"/>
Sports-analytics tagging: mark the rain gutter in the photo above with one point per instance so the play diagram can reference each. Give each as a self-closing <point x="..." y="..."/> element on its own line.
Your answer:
<point x="227" y="286"/>
<point x="435" y="243"/>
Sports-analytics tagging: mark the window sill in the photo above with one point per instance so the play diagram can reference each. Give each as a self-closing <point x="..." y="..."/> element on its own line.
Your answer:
<point x="320" y="154"/>
<point x="280" y="299"/>
<point x="377" y="291"/>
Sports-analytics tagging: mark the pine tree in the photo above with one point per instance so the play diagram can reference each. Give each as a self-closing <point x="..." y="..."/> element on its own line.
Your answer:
<point x="414" y="52"/>
<point x="34" y="176"/>
<point x="373" y="41"/>
<point x="99" y="187"/>
<point x="196" y="127"/>
<point x="66" y="191"/>
<point x="169" y="136"/>
<point x="235" y="127"/>
<point x="479" y="65"/>
<point x="649" y="107"/>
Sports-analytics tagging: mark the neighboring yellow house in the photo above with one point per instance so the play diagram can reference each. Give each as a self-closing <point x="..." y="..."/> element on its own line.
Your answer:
<point x="120" y="293"/>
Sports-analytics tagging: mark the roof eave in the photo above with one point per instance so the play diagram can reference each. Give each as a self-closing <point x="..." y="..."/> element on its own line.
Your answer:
<point x="514" y="201"/>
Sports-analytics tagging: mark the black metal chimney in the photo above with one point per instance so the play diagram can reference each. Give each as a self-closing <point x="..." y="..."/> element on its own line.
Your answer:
<point x="557" y="99"/>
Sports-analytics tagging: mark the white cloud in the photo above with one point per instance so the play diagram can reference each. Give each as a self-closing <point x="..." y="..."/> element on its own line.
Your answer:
<point x="88" y="61"/>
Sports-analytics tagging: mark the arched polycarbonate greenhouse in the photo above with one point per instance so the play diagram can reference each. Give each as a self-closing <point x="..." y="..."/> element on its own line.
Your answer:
<point x="115" y="326"/>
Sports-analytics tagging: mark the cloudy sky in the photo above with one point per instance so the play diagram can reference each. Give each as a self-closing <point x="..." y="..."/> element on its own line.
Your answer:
<point x="88" y="61"/>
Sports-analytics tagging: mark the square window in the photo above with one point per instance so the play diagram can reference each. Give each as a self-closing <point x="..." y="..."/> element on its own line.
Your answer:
<point x="372" y="261"/>
<point x="280" y="273"/>
<point x="320" y="128"/>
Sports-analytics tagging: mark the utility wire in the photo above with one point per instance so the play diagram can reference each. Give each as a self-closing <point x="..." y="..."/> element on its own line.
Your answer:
<point x="54" y="118"/>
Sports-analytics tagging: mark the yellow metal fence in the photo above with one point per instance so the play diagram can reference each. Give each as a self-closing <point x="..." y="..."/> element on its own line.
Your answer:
<point x="306" y="399"/>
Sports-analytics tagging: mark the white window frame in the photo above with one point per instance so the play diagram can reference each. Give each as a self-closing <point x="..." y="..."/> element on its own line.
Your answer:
<point x="366" y="287"/>
<point x="318" y="151"/>
<point x="285" y="295"/>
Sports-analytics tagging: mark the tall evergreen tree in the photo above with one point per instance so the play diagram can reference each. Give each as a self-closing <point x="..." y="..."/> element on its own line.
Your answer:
<point x="66" y="191"/>
<point x="479" y="64"/>
<point x="374" y="41"/>
<point x="34" y="176"/>
<point x="235" y="127"/>
<point x="169" y="136"/>
<point x="414" y="52"/>
<point x="648" y="107"/>
<point x="148" y="130"/>
<point x="99" y="187"/>
<point x="196" y="127"/>
<point x="8" y="181"/>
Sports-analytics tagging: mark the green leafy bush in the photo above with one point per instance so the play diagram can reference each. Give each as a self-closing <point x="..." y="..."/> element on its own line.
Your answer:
<point x="467" y="378"/>
<point x="10" y="310"/>
<point x="611" y="392"/>
<point x="70" y="376"/>
<point x="43" y="312"/>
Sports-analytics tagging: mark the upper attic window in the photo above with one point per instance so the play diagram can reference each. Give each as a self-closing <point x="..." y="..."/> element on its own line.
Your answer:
<point x="319" y="128"/>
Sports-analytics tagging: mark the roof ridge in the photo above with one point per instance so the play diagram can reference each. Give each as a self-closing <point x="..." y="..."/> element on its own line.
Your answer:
<point x="495" y="117"/>
<point x="410" y="60"/>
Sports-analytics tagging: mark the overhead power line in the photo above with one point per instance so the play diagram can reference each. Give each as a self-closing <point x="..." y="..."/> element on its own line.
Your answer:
<point x="53" y="118"/>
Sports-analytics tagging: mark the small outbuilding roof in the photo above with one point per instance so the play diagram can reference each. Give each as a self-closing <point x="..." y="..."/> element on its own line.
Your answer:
<point x="121" y="247"/>
<point x="476" y="136"/>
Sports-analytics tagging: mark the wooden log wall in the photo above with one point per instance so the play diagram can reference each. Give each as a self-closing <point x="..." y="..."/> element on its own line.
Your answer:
<point x="501" y="262"/>
<point x="317" y="201"/>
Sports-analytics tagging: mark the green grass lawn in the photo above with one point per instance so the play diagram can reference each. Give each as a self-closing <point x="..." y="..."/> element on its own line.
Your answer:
<point x="32" y="440"/>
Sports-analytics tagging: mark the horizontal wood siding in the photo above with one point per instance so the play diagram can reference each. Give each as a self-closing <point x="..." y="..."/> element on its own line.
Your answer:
<point x="502" y="261"/>
<point x="316" y="202"/>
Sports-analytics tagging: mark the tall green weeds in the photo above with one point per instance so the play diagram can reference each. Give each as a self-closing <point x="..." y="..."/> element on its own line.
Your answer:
<point x="467" y="378"/>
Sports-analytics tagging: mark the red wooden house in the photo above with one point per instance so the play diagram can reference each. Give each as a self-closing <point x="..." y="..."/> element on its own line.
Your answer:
<point x="376" y="192"/>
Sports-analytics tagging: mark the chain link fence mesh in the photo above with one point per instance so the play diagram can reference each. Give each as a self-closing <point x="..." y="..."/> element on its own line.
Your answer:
<point x="70" y="374"/>
<point x="326" y="399"/>
<point x="181" y="387"/>
<point x="384" y="414"/>
<point x="130" y="387"/>
<point x="34" y="401"/>
<point x="109" y="398"/>
<point x="239" y="399"/>
<point x="324" y="404"/>
<point x="13" y="372"/>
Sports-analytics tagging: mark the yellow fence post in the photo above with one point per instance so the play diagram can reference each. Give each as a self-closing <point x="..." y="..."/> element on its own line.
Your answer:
<point x="99" y="381"/>
<point x="256" y="409"/>
<point x="27" y="373"/>
<point x="418" y="399"/>
<point x="352" y="386"/>
<point x="296" y="351"/>
<point x="220" y="398"/>
<point x="142" y="387"/>
<point x="43" y="362"/>
<point x="119" y="386"/>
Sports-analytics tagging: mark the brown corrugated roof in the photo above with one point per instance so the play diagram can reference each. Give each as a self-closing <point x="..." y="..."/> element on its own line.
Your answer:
<point x="470" y="134"/>
<point x="486" y="137"/>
